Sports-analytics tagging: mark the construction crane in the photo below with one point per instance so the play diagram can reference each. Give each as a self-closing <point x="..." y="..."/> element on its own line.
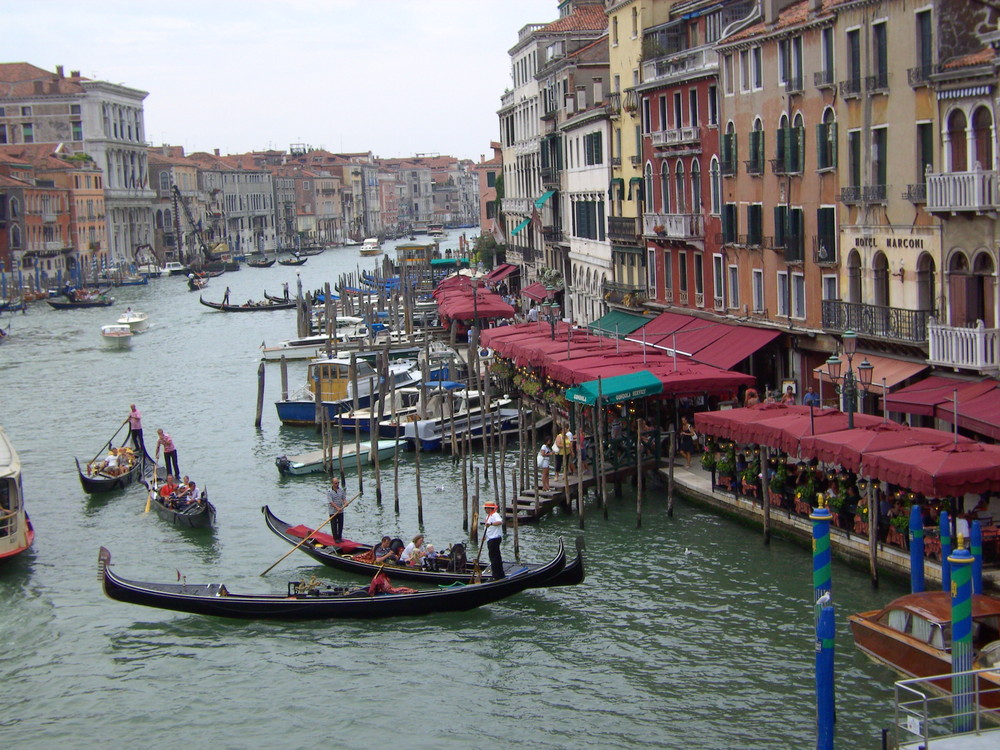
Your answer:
<point x="195" y="228"/>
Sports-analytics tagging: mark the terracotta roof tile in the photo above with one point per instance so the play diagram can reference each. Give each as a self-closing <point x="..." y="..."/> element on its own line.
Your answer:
<point x="584" y="18"/>
<point x="21" y="79"/>
<point x="983" y="56"/>
<point x="793" y="15"/>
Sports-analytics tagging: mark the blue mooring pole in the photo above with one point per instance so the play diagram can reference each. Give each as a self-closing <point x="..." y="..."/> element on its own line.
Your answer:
<point x="825" y="624"/>
<point x="945" y="551"/>
<point x="961" y="637"/>
<point x="976" y="548"/>
<point x="916" y="550"/>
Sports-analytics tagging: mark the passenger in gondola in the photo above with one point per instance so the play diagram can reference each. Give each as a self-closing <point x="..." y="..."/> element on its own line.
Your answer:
<point x="168" y="488"/>
<point x="429" y="561"/>
<point x="413" y="552"/>
<point x="384" y="554"/>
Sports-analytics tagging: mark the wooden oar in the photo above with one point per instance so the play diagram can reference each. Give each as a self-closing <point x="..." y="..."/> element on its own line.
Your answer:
<point x="149" y="496"/>
<point x="477" y="573"/>
<point x="312" y="533"/>
<point x="112" y="440"/>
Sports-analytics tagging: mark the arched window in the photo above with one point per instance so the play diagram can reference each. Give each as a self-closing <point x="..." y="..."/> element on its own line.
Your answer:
<point x="956" y="138"/>
<point x="827" y="146"/>
<point x="15" y="208"/>
<point x="164" y="182"/>
<point x="158" y="220"/>
<point x="648" y="187"/>
<point x="959" y="283"/>
<point x="982" y="132"/>
<point x="679" y="188"/>
<point x="982" y="302"/>
<point x="926" y="292"/>
<point x="716" y="178"/>
<point x="880" y="279"/>
<point x="695" y="187"/>
<point x="854" y="276"/>
<point x="664" y="187"/>
<point x="15" y="235"/>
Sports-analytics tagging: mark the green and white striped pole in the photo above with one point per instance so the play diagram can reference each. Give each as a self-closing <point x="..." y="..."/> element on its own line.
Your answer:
<point x="961" y="636"/>
<point x="824" y="624"/>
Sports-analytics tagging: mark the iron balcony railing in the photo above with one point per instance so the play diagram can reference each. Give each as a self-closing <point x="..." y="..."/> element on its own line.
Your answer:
<point x="850" y="87"/>
<point x="877" y="82"/>
<point x="755" y="166"/>
<point x="624" y="230"/>
<point x="823" y="79"/>
<point x="628" y="295"/>
<point x="793" y="85"/>
<point x="877" y="320"/>
<point x="825" y="250"/>
<point x="921" y="75"/>
<point x="916" y="193"/>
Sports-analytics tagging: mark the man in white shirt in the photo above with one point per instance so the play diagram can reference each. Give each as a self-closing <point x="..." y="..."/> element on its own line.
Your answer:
<point x="494" y="535"/>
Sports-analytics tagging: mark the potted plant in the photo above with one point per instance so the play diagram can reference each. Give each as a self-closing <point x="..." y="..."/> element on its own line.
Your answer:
<point x="779" y="480"/>
<point x="708" y="460"/>
<point x="660" y="230"/>
<point x="725" y="467"/>
<point x="899" y="529"/>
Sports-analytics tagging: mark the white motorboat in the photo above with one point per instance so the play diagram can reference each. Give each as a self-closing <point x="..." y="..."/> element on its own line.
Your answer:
<point x="307" y="463"/>
<point x="150" y="270"/>
<point x="117" y="336"/>
<point x="135" y="320"/>
<point x="16" y="532"/>
<point x="173" y="268"/>
<point x="466" y="411"/>
<point x="349" y="328"/>
<point x="371" y="246"/>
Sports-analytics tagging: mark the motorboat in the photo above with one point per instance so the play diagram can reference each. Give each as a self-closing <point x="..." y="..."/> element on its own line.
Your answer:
<point x="312" y="461"/>
<point x="150" y="270"/>
<point x="310" y="347"/>
<point x="117" y="336"/>
<point x="463" y="412"/>
<point x="135" y="320"/>
<point x="371" y="246"/>
<point x="173" y="268"/>
<point x="912" y="634"/>
<point x="400" y="406"/>
<point x="332" y="378"/>
<point x="16" y="532"/>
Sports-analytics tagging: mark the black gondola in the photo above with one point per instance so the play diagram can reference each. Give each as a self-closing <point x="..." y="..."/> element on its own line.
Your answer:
<point x="292" y="261"/>
<point x="76" y="304"/>
<point x="307" y="602"/>
<point x="94" y="483"/>
<point x="253" y="307"/>
<point x="262" y="263"/>
<point x="340" y="557"/>
<point x="196" y="282"/>
<point x="198" y="515"/>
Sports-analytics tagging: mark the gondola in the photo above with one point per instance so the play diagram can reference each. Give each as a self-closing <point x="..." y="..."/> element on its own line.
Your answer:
<point x="77" y="304"/>
<point x="307" y="601"/>
<point x="198" y="515"/>
<point x="195" y="283"/>
<point x="264" y="263"/>
<point x="292" y="261"/>
<point x="276" y="299"/>
<point x="255" y="307"/>
<point x="323" y="549"/>
<point x="96" y="483"/>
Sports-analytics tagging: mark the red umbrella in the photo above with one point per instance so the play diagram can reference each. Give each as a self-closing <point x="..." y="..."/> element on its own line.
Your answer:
<point x="785" y="432"/>
<point x="947" y="470"/>
<point x="729" y="423"/>
<point x="848" y="447"/>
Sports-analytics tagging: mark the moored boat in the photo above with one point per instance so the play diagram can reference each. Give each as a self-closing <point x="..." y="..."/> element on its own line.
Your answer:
<point x="116" y="336"/>
<point x="16" y="532"/>
<point x="292" y="261"/>
<point x="371" y="246"/>
<point x="307" y="602"/>
<point x="356" y="558"/>
<point x="150" y="270"/>
<point x="263" y="262"/>
<point x="307" y="463"/>
<point x="912" y="634"/>
<point x="173" y="268"/>
<point x="135" y="320"/>
<point x="462" y="412"/>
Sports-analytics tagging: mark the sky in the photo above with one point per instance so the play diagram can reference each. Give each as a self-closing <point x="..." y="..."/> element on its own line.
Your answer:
<point x="396" y="77"/>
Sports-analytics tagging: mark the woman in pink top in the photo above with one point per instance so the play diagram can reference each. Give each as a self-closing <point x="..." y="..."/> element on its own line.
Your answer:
<point x="169" y="451"/>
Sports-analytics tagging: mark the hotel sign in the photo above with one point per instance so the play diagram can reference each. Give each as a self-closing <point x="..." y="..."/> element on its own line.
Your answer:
<point x="917" y="238"/>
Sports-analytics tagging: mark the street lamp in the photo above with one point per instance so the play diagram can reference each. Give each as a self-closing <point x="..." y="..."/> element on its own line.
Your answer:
<point x="552" y="310"/>
<point x="850" y="386"/>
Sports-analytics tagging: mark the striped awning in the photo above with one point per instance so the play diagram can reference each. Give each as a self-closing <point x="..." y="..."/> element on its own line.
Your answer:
<point x="961" y="93"/>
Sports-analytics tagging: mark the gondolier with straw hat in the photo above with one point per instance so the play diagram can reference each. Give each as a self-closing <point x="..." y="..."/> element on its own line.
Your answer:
<point x="493" y="536"/>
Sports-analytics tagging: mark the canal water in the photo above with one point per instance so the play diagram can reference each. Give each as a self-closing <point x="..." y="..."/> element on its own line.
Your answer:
<point x="688" y="632"/>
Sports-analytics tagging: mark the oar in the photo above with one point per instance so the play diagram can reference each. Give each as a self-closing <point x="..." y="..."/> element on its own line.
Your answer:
<point x="112" y="440"/>
<point x="312" y="533"/>
<point x="149" y="496"/>
<point x="477" y="574"/>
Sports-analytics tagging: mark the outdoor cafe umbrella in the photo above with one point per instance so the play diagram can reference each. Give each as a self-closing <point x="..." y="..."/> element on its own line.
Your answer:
<point x="947" y="470"/>
<point x="784" y="433"/>
<point x="729" y="423"/>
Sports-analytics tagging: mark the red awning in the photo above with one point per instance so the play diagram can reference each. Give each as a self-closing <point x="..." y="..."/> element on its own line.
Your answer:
<point x="665" y="323"/>
<point x="847" y="447"/>
<point x="981" y="413"/>
<point x="501" y="272"/>
<point x="948" y="470"/>
<point x="738" y="344"/>
<point x="893" y="371"/>
<point x="730" y="423"/>
<point x="922" y="398"/>
<point x="536" y="291"/>
<point x="465" y="308"/>
<point x="785" y="432"/>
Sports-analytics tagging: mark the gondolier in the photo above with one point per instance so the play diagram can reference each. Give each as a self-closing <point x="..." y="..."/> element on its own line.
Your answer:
<point x="336" y="500"/>
<point x="494" y="535"/>
<point x="169" y="451"/>
<point x="135" y="430"/>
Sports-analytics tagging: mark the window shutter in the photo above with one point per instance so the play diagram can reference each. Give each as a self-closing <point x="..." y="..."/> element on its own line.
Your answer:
<point x="780" y="213"/>
<point x="832" y="135"/>
<point x="788" y="152"/>
<point x="800" y="148"/>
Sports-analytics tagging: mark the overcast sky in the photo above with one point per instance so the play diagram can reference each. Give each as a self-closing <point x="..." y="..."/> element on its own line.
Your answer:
<point x="396" y="77"/>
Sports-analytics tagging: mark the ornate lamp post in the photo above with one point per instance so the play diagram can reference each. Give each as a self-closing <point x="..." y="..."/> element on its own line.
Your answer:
<point x="851" y="380"/>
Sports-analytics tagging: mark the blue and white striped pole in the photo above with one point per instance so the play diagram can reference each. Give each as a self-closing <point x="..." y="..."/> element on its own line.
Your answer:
<point x="916" y="550"/>
<point x="961" y="637"/>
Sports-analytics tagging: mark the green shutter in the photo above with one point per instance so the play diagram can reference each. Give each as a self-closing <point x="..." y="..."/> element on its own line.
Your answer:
<point x="832" y="135"/>
<point x="820" y="141"/>
<point x="800" y="148"/>
<point x="780" y="216"/>
<point x="788" y="150"/>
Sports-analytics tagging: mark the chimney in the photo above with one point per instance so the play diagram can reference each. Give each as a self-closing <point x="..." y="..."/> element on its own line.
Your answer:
<point x="74" y="74"/>
<point x="216" y="152"/>
<point x="59" y="71"/>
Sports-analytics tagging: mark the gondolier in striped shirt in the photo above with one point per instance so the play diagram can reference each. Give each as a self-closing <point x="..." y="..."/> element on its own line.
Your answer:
<point x="336" y="500"/>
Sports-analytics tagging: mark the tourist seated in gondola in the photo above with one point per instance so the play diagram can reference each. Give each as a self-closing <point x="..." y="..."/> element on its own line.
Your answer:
<point x="384" y="554"/>
<point x="413" y="552"/>
<point x="430" y="558"/>
<point x="168" y="488"/>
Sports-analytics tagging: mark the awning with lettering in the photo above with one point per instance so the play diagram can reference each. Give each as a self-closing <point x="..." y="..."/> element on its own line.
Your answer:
<point x="521" y="226"/>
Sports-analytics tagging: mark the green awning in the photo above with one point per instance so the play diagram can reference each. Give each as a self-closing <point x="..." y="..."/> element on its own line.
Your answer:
<point x="616" y="188"/>
<point x="640" y="192"/>
<point x="618" y="323"/>
<point x="616" y="389"/>
<point x="521" y="226"/>
<point x="545" y="196"/>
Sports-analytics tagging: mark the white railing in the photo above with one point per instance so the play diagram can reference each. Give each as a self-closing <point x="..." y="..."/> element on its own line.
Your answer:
<point x="668" y="296"/>
<point x="683" y="298"/>
<point x="975" y="348"/>
<point x="676" y="137"/>
<point x="962" y="191"/>
<point x="699" y="299"/>
<point x="673" y="226"/>
<point x="923" y="717"/>
<point x="516" y="205"/>
<point x="681" y="65"/>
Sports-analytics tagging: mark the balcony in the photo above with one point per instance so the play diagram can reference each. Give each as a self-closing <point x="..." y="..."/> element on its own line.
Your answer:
<point x="676" y="137"/>
<point x="636" y="160"/>
<point x="755" y="166"/>
<point x="877" y="321"/>
<point x="614" y="103"/>
<point x="878" y="83"/>
<point x="681" y="66"/>
<point x="793" y="85"/>
<point x="825" y="250"/>
<point x="674" y="226"/>
<point x="516" y="206"/>
<point x="727" y="168"/>
<point x="851" y="194"/>
<point x="875" y="193"/>
<point x="699" y="299"/>
<point x="550" y="175"/>
<point x="778" y="166"/>
<point x="49" y="217"/>
<point x="791" y="245"/>
<point x="850" y="88"/>
<point x="823" y="79"/>
<point x="962" y="191"/>
<point x="624" y="230"/>
<point x="552" y="234"/>
<point x="969" y="348"/>
<point x="616" y="161"/>
<point x="916" y="193"/>
<point x="626" y="295"/>
<point x="750" y="240"/>
<point x="921" y="75"/>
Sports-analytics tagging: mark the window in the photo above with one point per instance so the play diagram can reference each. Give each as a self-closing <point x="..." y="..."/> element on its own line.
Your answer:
<point x="854" y="61"/>
<point x="826" y="141"/>
<point x="614" y="31"/>
<point x="729" y="150"/>
<point x="593" y="149"/>
<point x="699" y="275"/>
<point x="164" y="182"/>
<point x="716" y="179"/>
<point x="668" y="273"/>
<point x="854" y="157"/>
<point x="491" y="179"/>
<point x="693" y="108"/>
<point x="651" y="273"/>
<point x="682" y="271"/>
<point x="27" y="133"/>
<point x="758" y="290"/>
<point x="663" y="113"/>
<point x="826" y="234"/>
<point x="695" y="187"/>
<point x="825" y="75"/>
<point x="664" y="187"/>
<point x="74" y="109"/>
<point x="718" y="282"/>
<point x="727" y="75"/>
<point x="755" y="165"/>
<point x="925" y="150"/>
<point x="77" y="129"/>
<point x="729" y="223"/>
<point x="925" y="48"/>
<point x="647" y="118"/>
<point x="830" y="288"/>
<point x="713" y="105"/>
<point x="755" y="224"/>
<point x="879" y="156"/>
<point x="780" y="225"/>
<point x="25" y="111"/>
<point x="678" y="119"/>
<point x="588" y="219"/>
<point x="635" y="22"/>
<point x="880" y="55"/>
<point x="679" y="191"/>
<point x="3" y="133"/>
<point x="794" y="241"/>
<point x="758" y="68"/>
<point x="734" y="286"/>
<point x="798" y="295"/>
<point x="783" y="294"/>
<point x="982" y="135"/>
<point x="744" y="70"/>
